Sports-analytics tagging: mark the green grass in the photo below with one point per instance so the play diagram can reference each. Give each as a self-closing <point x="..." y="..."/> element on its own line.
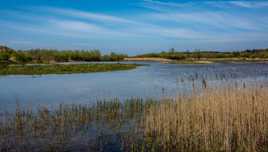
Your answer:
<point x="62" y="69"/>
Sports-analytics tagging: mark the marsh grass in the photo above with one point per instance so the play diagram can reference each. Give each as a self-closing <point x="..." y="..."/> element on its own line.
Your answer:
<point x="68" y="125"/>
<point x="62" y="68"/>
<point x="229" y="118"/>
<point x="225" y="119"/>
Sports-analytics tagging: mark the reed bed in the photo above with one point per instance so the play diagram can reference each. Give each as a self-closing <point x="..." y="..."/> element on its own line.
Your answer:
<point x="229" y="118"/>
<point x="65" y="128"/>
<point x="225" y="119"/>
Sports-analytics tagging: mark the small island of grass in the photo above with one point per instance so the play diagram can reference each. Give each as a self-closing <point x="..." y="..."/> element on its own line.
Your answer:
<point x="62" y="68"/>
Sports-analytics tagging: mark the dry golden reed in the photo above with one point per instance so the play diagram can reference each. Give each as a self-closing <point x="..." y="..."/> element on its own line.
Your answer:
<point x="226" y="119"/>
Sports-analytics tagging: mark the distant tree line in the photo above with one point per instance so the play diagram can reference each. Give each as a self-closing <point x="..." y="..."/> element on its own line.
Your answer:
<point x="183" y="55"/>
<point x="8" y="55"/>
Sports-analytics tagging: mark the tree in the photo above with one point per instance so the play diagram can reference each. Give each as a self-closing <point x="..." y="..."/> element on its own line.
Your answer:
<point x="4" y="56"/>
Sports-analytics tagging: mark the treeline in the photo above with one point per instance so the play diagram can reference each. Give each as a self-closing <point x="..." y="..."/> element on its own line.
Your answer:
<point x="9" y="55"/>
<point x="179" y="55"/>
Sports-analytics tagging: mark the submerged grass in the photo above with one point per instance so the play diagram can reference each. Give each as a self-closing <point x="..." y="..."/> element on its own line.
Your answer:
<point x="233" y="118"/>
<point x="62" y="68"/>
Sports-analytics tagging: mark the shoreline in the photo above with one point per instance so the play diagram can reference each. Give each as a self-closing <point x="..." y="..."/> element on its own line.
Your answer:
<point x="199" y="61"/>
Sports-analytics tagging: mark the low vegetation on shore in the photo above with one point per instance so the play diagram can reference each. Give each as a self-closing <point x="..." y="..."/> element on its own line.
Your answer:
<point x="205" y="57"/>
<point x="214" y="55"/>
<point x="62" y="68"/>
<point x="8" y="55"/>
<point x="233" y="118"/>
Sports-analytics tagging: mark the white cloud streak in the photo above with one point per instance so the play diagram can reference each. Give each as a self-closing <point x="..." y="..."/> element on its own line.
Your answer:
<point x="198" y="14"/>
<point x="88" y="15"/>
<point x="88" y="28"/>
<point x="211" y="19"/>
<point x="249" y="4"/>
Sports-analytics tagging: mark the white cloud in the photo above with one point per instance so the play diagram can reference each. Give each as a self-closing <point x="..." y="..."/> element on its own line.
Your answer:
<point x="85" y="29"/>
<point x="157" y="5"/>
<point x="250" y="4"/>
<point x="197" y="12"/>
<point x="63" y="23"/>
<point x="167" y="4"/>
<point x="88" y="15"/>
<point x="214" y="19"/>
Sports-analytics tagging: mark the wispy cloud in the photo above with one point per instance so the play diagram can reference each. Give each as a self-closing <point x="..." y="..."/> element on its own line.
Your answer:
<point x="250" y="4"/>
<point x="196" y="12"/>
<point x="166" y="4"/>
<point x="159" y="5"/>
<point x="212" y="19"/>
<point x="86" y="29"/>
<point x="66" y="22"/>
<point x="88" y="15"/>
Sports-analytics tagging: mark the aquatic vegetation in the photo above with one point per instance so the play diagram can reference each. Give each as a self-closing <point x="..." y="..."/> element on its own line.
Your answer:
<point x="229" y="118"/>
<point x="69" y="125"/>
<point x="62" y="68"/>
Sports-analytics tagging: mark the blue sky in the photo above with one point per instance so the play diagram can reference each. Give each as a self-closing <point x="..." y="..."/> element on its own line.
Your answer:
<point x="134" y="27"/>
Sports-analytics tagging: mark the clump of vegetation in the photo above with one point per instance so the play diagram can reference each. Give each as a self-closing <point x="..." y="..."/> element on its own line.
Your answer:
<point x="8" y="55"/>
<point x="234" y="118"/>
<point x="62" y="68"/>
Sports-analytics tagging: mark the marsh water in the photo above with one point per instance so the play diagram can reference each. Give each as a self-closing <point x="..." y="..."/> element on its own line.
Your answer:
<point x="153" y="80"/>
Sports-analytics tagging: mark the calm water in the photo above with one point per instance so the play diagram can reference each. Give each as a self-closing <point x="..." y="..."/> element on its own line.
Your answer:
<point x="152" y="81"/>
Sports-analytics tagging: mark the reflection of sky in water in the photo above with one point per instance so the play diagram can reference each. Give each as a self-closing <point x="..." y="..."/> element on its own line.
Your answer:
<point x="153" y="81"/>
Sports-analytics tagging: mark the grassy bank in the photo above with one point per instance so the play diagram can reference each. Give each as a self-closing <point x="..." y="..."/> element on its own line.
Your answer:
<point x="62" y="68"/>
<point x="234" y="118"/>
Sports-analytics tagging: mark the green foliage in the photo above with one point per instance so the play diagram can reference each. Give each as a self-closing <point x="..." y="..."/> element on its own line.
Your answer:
<point x="53" y="55"/>
<point x="62" y="68"/>
<point x="4" y="56"/>
<point x="8" y="55"/>
<point x="117" y="57"/>
<point x="178" y="55"/>
<point x="21" y="57"/>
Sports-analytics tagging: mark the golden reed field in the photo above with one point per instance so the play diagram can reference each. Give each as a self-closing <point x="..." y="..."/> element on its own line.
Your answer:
<point x="225" y="119"/>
